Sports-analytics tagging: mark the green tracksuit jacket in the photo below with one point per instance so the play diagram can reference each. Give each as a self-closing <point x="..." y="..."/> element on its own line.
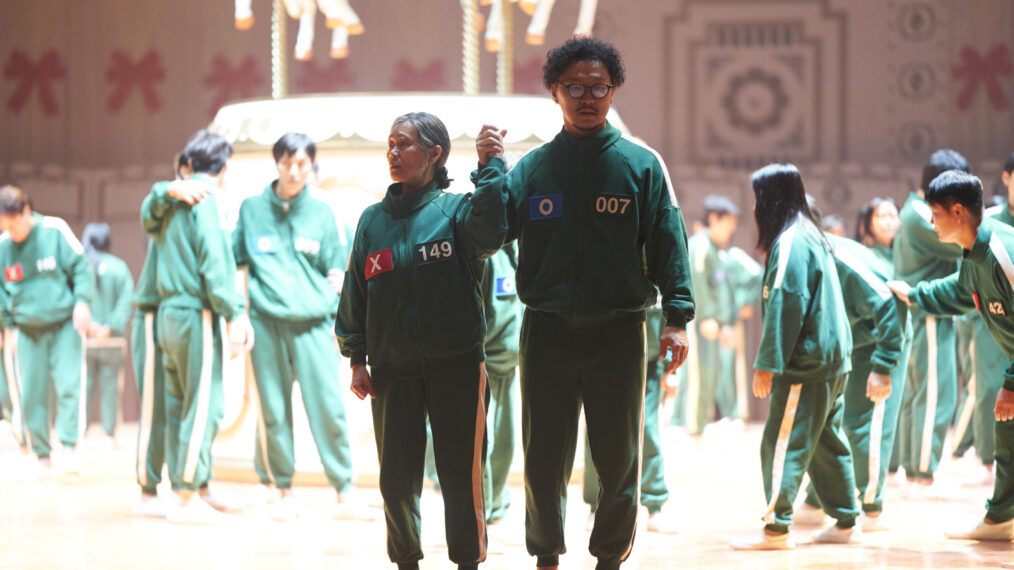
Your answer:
<point x="985" y="282"/>
<point x="410" y="302"/>
<point x="111" y="307"/>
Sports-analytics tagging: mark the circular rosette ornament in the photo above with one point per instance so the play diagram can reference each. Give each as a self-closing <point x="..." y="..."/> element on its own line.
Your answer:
<point x="755" y="101"/>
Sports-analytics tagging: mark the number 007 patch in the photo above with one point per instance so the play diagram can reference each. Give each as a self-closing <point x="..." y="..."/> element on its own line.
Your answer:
<point x="613" y="205"/>
<point x="433" y="251"/>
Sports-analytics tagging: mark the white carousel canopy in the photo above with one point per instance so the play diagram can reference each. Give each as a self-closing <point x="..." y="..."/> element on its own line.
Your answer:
<point x="366" y="117"/>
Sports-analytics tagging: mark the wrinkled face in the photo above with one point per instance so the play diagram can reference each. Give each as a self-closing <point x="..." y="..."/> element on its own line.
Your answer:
<point x="946" y="222"/>
<point x="17" y="225"/>
<point x="721" y="228"/>
<point x="409" y="162"/>
<point x="294" y="169"/>
<point x="586" y="115"/>
<point x="884" y="223"/>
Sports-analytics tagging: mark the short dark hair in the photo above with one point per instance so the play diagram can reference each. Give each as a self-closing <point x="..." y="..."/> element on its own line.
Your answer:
<point x="718" y="205"/>
<point x="96" y="236"/>
<point x="865" y="219"/>
<point x="431" y="132"/>
<point x="206" y="152"/>
<point x="13" y="200"/>
<point x="781" y="198"/>
<point x="956" y="187"/>
<point x="941" y="161"/>
<point x="291" y="143"/>
<point x="582" y="49"/>
<point x="1008" y="166"/>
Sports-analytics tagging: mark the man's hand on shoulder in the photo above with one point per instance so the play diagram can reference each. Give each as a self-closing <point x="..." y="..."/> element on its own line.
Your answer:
<point x="900" y="290"/>
<point x="188" y="191"/>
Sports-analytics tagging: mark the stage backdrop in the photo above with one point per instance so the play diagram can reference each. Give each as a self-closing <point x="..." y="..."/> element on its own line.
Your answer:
<point x="97" y="96"/>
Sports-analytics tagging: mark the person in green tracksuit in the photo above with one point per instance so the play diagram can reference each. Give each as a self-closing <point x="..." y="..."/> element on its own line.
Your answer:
<point x="716" y="314"/>
<point x="49" y="284"/>
<point x="503" y="327"/>
<point x="931" y="384"/>
<point x="110" y="313"/>
<point x="598" y="228"/>
<point x="411" y="308"/>
<point x="984" y="283"/>
<point x="802" y="363"/>
<point x="287" y="237"/>
<point x="746" y="276"/>
<point x="654" y="491"/>
<point x="881" y="333"/>
<point x="196" y="281"/>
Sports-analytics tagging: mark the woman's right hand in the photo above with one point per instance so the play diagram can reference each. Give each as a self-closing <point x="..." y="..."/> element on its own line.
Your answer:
<point x="489" y="143"/>
<point x="362" y="384"/>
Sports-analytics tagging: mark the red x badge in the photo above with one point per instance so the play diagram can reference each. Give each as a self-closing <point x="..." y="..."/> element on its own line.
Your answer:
<point x="14" y="273"/>
<point x="379" y="262"/>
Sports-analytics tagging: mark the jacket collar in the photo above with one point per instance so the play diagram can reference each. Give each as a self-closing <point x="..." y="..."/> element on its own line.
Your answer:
<point x="981" y="246"/>
<point x="285" y="205"/>
<point x="400" y="204"/>
<point x="595" y="143"/>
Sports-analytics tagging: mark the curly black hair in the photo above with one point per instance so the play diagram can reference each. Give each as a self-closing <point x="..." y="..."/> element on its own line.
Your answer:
<point x="582" y="49"/>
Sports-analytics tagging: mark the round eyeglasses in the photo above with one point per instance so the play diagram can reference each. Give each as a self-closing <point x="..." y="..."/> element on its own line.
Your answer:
<point x="598" y="91"/>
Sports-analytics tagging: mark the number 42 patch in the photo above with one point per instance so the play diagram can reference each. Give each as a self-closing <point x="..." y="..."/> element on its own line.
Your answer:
<point x="436" y="250"/>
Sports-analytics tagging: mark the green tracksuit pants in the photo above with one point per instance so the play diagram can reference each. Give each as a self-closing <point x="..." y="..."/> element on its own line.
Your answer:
<point x="726" y="390"/>
<point x="654" y="492"/>
<point x="1000" y="508"/>
<point x="803" y="434"/>
<point x="105" y="368"/>
<point x="149" y="372"/>
<point x="974" y="423"/>
<point x="500" y="442"/>
<point x="454" y="401"/>
<point x="962" y="438"/>
<point x="701" y="386"/>
<point x="930" y="396"/>
<point x="560" y="371"/>
<point x="192" y="341"/>
<point x="10" y="391"/>
<point x="51" y="359"/>
<point x="871" y="429"/>
<point x="306" y="351"/>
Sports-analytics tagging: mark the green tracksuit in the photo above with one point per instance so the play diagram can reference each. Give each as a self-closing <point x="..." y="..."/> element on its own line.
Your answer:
<point x="196" y="282"/>
<point x="931" y="381"/>
<point x="598" y="228"/>
<point x="880" y="335"/>
<point x="654" y="491"/>
<point x="10" y="391"/>
<point x="503" y="327"/>
<point x="149" y="372"/>
<point x="411" y="307"/>
<point x="806" y="343"/>
<point x="295" y="259"/>
<point x="44" y="277"/>
<point x="110" y="307"/>
<point x="985" y="282"/>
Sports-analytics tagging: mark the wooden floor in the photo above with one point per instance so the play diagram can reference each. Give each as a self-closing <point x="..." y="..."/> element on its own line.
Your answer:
<point x="716" y="495"/>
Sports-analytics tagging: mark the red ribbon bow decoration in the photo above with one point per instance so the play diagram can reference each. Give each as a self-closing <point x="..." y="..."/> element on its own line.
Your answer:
<point x="127" y="75"/>
<point x="240" y="82"/>
<point x="976" y="70"/>
<point x="407" y="77"/>
<point x="39" y="75"/>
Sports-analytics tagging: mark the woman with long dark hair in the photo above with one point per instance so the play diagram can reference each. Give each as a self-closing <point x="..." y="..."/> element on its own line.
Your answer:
<point x="876" y="227"/>
<point x="802" y="362"/>
<point x="411" y="308"/>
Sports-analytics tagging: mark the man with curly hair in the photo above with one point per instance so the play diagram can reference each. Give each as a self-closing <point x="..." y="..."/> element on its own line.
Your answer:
<point x="598" y="229"/>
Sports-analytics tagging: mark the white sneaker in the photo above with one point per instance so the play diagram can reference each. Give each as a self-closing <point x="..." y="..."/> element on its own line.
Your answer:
<point x="219" y="504"/>
<point x="764" y="541"/>
<point x="148" y="506"/>
<point x="872" y="524"/>
<point x="68" y="463"/>
<point x="32" y="468"/>
<point x="986" y="531"/>
<point x="589" y="523"/>
<point x="835" y="534"/>
<point x="262" y="495"/>
<point x="196" y="512"/>
<point x="808" y="515"/>
<point x="285" y="510"/>
<point x="350" y="509"/>
<point x="980" y="477"/>
<point x="897" y="479"/>
<point x="662" y="523"/>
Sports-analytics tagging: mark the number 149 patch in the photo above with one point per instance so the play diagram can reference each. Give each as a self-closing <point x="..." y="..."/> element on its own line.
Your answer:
<point x="436" y="250"/>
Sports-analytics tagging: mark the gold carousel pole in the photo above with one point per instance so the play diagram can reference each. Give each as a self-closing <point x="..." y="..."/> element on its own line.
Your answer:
<point x="505" y="59"/>
<point x="470" y="47"/>
<point x="279" y="71"/>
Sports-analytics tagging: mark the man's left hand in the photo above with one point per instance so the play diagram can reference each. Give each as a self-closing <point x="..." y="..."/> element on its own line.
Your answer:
<point x="675" y="339"/>
<point x="1004" y="410"/>
<point x="82" y="317"/>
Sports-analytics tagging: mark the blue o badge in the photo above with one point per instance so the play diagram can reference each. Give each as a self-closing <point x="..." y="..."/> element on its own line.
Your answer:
<point x="505" y="287"/>
<point x="719" y="276"/>
<point x="264" y="244"/>
<point x="545" y="207"/>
